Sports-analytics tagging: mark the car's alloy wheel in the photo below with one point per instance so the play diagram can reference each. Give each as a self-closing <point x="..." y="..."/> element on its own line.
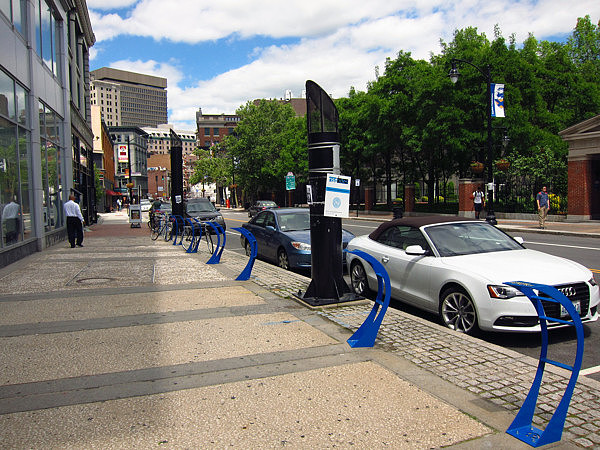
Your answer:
<point x="247" y="247"/>
<point x="458" y="311"/>
<point x="358" y="279"/>
<point x="282" y="260"/>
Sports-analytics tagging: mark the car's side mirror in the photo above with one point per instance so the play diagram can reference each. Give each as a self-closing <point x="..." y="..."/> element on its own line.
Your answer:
<point x="415" y="250"/>
<point x="519" y="239"/>
<point x="270" y="228"/>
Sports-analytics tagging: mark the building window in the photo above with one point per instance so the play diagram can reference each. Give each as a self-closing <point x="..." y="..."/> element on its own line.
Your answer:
<point x="215" y="132"/>
<point x="15" y="146"/>
<point x="207" y="132"/>
<point x="47" y="31"/>
<point x="51" y="158"/>
<point x="16" y="12"/>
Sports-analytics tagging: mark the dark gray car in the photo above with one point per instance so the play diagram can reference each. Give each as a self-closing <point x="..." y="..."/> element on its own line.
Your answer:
<point x="203" y="209"/>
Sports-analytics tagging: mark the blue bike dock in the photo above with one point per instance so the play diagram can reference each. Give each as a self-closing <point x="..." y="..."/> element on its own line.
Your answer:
<point x="367" y="333"/>
<point x="521" y="427"/>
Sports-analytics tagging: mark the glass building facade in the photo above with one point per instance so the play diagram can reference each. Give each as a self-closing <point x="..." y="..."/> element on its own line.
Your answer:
<point x="40" y="93"/>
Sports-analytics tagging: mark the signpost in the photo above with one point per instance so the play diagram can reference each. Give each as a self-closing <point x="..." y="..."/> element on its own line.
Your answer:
<point x="290" y="185"/>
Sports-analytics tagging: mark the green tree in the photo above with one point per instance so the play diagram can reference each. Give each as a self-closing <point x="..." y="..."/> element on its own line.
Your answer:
<point x="269" y="141"/>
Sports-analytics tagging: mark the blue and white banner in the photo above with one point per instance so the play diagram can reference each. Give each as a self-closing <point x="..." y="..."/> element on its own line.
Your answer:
<point x="337" y="196"/>
<point x="497" y="100"/>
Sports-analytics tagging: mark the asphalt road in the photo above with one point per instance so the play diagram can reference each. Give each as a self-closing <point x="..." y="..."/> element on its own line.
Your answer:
<point x="584" y="250"/>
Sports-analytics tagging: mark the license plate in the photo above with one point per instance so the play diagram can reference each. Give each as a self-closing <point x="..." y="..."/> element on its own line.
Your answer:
<point x="576" y="304"/>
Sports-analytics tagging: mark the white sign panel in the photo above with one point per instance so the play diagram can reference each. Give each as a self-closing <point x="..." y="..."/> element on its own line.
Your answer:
<point x="123" y="154"/>
<point x="337" y="196"/>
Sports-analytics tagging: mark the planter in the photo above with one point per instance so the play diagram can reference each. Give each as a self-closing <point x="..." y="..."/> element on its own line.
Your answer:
<point x="477" y="167"/>
<point x="502" y="164"/>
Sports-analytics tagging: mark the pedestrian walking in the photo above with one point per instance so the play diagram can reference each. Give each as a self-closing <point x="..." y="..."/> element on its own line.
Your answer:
<point x="543" y="205"/>
<point x="118" y="204"/>
<point x="74" y="222"/>
<point x="478" y="201"/>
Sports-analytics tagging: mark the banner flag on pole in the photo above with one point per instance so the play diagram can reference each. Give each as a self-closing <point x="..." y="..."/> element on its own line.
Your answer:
<point x="497" y="100"/>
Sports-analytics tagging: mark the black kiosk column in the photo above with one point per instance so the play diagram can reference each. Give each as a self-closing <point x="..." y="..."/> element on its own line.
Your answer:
<point x="327" y="285"/>
<point x="176" y="174"/>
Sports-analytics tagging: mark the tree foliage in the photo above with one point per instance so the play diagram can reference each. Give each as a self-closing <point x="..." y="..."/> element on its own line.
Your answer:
<point x="269" y="142"/>
<point x="412" y="124"/>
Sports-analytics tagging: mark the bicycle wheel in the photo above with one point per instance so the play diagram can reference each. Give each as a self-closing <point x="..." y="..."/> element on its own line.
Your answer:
<point x="188" y="238"/>
<point x="155" y="232"/>
<point x="209" y="242"/>
<point x="168" y="233"/>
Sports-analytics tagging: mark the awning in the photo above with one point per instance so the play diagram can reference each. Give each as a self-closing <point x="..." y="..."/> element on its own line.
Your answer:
<point x="113" y="193"/>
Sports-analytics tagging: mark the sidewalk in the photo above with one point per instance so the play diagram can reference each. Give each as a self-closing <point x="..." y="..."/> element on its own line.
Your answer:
<point x="132" y="343"/>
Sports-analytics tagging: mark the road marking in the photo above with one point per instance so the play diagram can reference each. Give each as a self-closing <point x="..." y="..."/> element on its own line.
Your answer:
<point x="590" y="370"/>
<point x="562" y="245"/>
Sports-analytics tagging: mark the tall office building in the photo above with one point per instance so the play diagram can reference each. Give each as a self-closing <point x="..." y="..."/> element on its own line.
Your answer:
<point x="129" y="99"/>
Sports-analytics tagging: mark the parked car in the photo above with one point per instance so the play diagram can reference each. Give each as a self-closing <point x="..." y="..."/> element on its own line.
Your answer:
<point x="145" y="204"/>
<point x="456" y="267"/>
<point x="261" y="205"/>
<point x="203" y="209"/>
<point x="283" y="236"/>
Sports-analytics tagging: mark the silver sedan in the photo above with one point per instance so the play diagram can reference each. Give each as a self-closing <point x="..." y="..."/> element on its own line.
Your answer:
<point x="457" y="268"/>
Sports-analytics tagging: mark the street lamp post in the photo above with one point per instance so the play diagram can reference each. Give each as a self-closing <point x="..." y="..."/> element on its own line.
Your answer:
<point x="454" y="74"/>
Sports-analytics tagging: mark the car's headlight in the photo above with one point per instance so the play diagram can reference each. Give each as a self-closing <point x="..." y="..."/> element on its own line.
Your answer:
<point x="592" y="282"/>
<point x="301" y="246"/>
<point x="503" y="291"/>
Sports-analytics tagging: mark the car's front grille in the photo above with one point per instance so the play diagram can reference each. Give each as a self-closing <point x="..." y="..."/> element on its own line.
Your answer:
<point x="574" y="292"/>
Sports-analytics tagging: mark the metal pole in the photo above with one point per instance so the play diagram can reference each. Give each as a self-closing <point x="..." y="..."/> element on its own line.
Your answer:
<point x="491" y="217"/>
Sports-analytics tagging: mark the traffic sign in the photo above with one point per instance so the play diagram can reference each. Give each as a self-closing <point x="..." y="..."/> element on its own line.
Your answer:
<point x="290" y="182"/>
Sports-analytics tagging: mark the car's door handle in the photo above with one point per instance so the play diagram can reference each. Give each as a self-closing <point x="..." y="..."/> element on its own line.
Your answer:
<point x="385" y="259"/>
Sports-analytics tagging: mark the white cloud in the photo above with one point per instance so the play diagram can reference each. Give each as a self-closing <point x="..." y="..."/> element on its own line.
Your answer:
<point x="338" y="46"/>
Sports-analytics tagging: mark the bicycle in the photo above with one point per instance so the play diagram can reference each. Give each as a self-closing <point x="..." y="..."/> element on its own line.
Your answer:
<point x="194" y="233"/>
<point x="159" y="225"/>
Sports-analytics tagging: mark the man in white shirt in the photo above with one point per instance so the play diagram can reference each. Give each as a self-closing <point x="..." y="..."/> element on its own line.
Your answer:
<point x="10" y="217"/>
<point x="74" y="222"/>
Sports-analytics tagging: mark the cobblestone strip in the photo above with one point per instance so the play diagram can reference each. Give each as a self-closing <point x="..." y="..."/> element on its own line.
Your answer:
<point x="489" y="371"/>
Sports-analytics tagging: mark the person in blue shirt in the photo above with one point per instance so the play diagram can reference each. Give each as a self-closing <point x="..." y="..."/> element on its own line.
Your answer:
<point x="543" y="205"/>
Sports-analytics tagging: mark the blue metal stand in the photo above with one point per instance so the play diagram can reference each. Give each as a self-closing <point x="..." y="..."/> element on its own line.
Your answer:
<point x="252" y="240"/>
<point x="522" y="428"/>
<point x="216" y="256"/>
<point x="192" y="247"/>
<point x="367" y="333"/>
<point x="177" y="229"/>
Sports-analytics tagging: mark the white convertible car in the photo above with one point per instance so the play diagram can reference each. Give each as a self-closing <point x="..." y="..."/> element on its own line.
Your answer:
<point x="457" y="267"/>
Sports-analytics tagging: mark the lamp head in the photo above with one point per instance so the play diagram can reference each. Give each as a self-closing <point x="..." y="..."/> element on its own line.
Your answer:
<point x="454" y="74"/>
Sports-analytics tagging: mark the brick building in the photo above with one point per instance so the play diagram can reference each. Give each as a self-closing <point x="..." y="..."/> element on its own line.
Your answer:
<point x="583" y="169"/>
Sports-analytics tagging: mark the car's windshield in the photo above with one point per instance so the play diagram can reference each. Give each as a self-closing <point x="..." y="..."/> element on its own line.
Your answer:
<point x="294" y="221"/>
<point x="467" y="238"/>
<point x="200" y="207"/>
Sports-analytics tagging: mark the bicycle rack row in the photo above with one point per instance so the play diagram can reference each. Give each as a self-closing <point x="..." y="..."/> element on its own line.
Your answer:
<point x="521" y="427"/>
<point x="197" y="228"/>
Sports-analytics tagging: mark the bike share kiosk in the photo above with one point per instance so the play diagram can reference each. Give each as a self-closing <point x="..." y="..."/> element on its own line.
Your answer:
<point x="327" y="283"/>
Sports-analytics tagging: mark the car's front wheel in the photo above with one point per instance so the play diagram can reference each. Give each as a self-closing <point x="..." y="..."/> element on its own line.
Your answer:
<point x="457" y="311"/>
<point x="358" y="279"/>
<point x="283" y="260"/>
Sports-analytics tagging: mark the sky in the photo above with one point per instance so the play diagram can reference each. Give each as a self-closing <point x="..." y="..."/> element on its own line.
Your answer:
<point x="218" y="55"/>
